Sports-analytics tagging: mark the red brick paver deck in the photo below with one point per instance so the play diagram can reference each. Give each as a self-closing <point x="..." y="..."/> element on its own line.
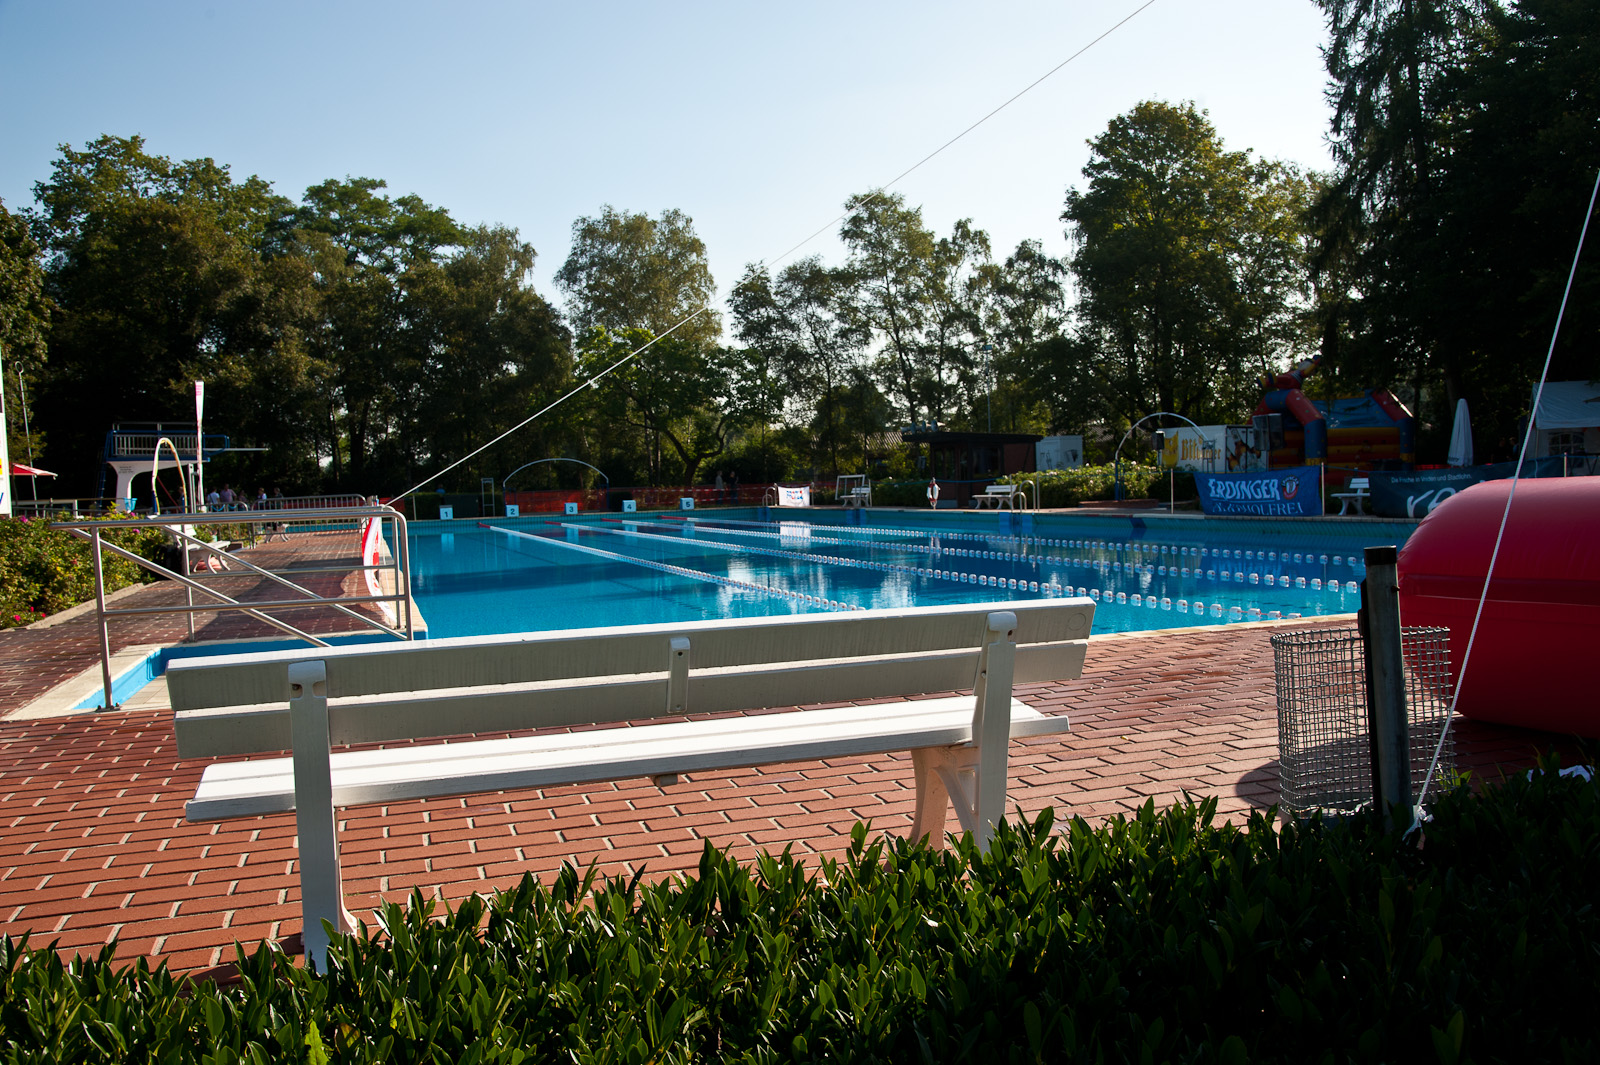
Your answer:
<point x="93" y="844"/>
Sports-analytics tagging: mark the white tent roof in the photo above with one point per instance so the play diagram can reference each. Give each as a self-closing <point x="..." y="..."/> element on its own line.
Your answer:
<point x="1568" y="405"/>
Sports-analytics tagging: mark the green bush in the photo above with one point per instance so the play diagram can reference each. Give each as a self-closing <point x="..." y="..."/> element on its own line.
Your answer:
<point x="44" y="571"/>
<point x="889" y="493"/>
<point x="1068" y="488"/>
<point x="1161" y="937"/>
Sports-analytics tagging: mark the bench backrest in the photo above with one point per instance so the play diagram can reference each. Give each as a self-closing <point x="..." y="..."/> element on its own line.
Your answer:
<point x="1360" y="484"/>
<point x="593" y="676"/>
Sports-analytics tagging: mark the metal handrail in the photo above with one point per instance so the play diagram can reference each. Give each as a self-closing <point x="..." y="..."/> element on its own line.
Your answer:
<point x="178" y="526"/>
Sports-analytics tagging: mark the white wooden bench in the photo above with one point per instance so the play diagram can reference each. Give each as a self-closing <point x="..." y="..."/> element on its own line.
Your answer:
<point x="999" y="494"/>
<point x="306" y="700"/>
<point x="1353" y="498"/>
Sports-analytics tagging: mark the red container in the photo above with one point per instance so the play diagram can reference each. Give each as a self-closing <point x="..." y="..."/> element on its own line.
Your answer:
<point x="1536" y="658"/>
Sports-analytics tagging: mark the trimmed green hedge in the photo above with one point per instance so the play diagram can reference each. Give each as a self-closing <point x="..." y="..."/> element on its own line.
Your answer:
<point x="44" y="571"/>
<point x="1060" y="488"/>
<point x="1163" y="937"/>
<point x="1068" y="488"/>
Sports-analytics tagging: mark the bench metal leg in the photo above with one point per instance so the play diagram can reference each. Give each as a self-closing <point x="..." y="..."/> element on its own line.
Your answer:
<point x="991" y="722"/>
<point x="945" y="778"/>
<point x="973" y="779"/>
<point x="321" y="887"/>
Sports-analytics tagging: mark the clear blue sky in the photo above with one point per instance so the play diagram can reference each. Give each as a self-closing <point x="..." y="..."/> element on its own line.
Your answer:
<point x="758" y="120"/>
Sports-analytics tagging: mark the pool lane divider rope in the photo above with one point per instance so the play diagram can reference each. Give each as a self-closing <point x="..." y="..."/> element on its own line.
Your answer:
<point x="1048" y="589"/>
<point x="1148" y="550"/>
<point x="677" y="571"/>
<point x="1131" y="568"/>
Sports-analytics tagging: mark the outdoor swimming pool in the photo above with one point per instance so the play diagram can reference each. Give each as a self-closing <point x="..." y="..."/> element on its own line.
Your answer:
<point x="529" y="574"/>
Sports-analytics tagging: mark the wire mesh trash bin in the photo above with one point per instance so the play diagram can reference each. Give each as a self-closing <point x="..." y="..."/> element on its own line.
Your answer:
<point x="1324" y="749"/>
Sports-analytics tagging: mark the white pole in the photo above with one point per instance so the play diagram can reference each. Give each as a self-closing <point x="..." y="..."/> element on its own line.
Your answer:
<point x="5" y="452"/>
<point x="199" y="444"/>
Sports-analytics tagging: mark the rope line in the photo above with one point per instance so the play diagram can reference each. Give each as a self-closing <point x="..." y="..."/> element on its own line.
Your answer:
<point x="593" y="381"/>
<point x="1511" y="494"/>
<point x="1014" y="98"/>
<point x="679" y="571"/>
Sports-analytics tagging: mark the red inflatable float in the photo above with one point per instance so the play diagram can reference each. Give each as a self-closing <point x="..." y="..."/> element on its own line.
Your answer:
<point x="1534" y="662"/>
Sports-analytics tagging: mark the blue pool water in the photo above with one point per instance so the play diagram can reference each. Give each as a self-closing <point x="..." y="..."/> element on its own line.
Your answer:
<point x="529" y="574"/>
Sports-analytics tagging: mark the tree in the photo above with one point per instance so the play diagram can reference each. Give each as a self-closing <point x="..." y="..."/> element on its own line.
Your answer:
<point x="673" y="391"/>
<point x="634" y="283"/>
<point x="1386" y="62"/>
<point x="368" y="251"/>
<point x="24" y="320"/>
<point x="631" y="271"/>
<point x="802" y="342"/>
<point x="486" y="347"/>
<point x="1186" y="258"/>
<point x="919" y="297"/>
<point x="1467" y="149"/>
<point x="161" y="273"/>
<point x="1026" y="307"/>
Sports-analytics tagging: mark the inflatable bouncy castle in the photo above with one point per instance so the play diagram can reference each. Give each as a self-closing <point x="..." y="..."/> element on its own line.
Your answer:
<point x="1533" y="659"/>
<point x="1349" y="431"/>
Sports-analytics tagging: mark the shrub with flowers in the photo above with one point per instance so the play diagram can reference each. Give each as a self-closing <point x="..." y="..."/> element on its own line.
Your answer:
<point x="44" y="571"/>
<point x="1068" y="488"/>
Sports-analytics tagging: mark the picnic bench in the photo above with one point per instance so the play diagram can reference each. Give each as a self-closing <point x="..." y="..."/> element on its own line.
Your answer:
<point x="1353" y="498"/>
<point x="853" y="490"/>
<point x="997" y="494"/>
<point x="309" y="700"/>
<point x="857" y="497"/>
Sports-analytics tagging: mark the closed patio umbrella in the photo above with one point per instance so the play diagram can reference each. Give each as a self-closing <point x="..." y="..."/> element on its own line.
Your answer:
<point x="1461" y="437"/>
<point x="19" y="469"/>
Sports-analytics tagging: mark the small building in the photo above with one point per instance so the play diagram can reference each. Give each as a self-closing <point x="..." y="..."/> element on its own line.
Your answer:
<point x="1568" y="423"/>
<point x="966" y="463"/>
<point x="1058" y="453"/>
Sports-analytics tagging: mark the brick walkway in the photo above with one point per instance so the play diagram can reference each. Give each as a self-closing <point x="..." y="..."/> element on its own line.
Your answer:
<point x="93" y="845"/>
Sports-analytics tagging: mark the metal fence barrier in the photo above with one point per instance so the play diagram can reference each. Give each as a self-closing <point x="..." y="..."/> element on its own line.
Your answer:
<point x="1324" y="744"/>
<point x="396" y="604"/>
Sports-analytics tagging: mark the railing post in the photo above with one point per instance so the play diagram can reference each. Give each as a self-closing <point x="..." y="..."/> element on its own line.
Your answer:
<point x="188" y="592"/>
<point x="100" y="612"/>
<point x="1386" y="684"/>
<point x="402" y="577"/>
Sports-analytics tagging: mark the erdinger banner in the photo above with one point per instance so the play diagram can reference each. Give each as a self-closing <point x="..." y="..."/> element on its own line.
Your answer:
<point x="1284" y="493"/>
<point x="794" y="497"/>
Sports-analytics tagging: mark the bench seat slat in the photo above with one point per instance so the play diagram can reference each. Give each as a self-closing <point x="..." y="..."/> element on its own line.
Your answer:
<point x="503" y="708"/>
<point x="263" y="786"/>
<point x="372" y="669"/>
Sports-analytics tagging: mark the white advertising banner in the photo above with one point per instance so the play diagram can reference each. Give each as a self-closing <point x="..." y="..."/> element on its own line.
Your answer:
<point x="794" y="497"/>
<point x="1200" y="449"/>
